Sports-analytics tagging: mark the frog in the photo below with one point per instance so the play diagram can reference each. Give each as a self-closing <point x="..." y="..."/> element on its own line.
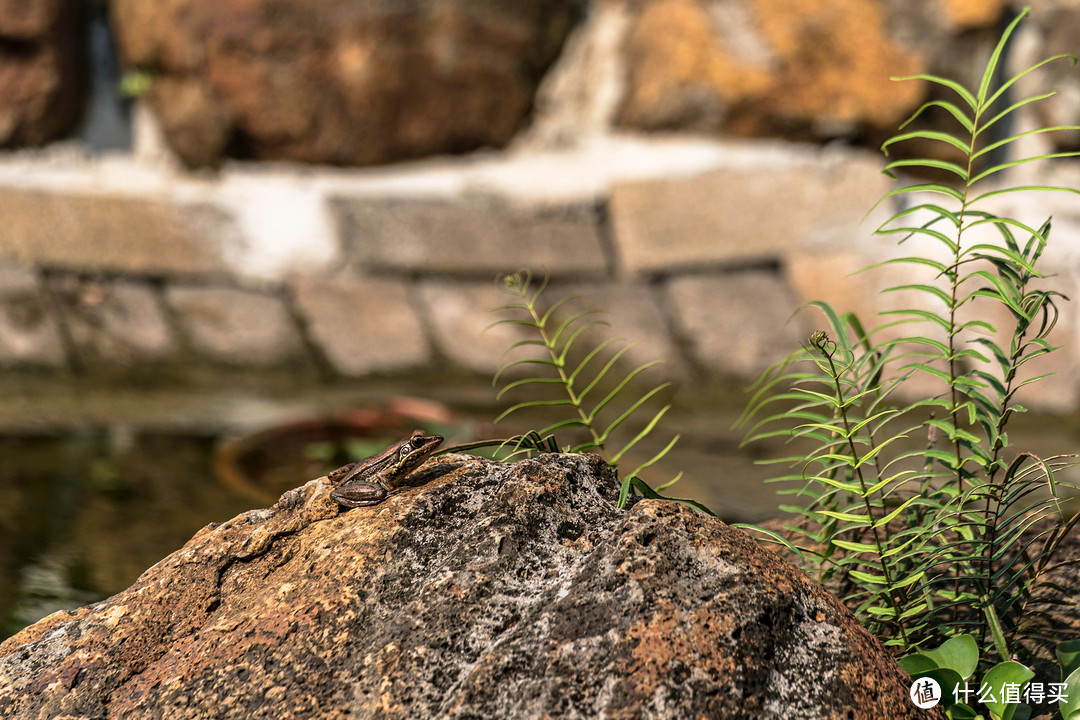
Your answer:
<point x="371" y="480"/>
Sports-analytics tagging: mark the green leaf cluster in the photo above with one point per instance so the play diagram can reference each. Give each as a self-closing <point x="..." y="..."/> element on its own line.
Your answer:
<point x="918" y="511"/>
<point x="953" y="664"/>
<point x="1068" y="656"/>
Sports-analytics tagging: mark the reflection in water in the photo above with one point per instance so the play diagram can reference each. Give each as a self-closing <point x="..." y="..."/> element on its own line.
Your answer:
<point x="83" y="516"/>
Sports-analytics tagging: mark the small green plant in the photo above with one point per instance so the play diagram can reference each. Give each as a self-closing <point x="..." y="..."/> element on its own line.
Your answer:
<point x="1068" y="656"/>
<point x="918" y="512"/>
<point x="136" y="83"/>
<point x="596" y="403"/>
<point x="952" y="666"/>
<point x="1004" y="688"/>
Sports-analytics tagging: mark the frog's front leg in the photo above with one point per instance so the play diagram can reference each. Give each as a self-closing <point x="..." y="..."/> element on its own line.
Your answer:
<point x="360" y="494"/>
<point x="334" y="475"/>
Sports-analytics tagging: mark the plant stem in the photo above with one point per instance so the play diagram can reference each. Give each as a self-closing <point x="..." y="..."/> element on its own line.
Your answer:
<point x="566" y="383"/>
<point x="834" y="373"/>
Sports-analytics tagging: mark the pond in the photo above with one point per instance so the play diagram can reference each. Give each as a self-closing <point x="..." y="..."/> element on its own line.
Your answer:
<point x="83" y="515"/>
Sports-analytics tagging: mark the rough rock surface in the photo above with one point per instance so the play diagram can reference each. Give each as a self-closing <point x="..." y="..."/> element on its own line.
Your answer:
<point x="494" y="590"/>
<point x="41" y="70"/>
<point x="794" y="68"/>
<point x="340" y="81"/>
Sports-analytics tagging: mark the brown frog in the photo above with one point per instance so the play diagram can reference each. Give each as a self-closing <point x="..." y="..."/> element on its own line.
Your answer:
<point x="371" y="480"/>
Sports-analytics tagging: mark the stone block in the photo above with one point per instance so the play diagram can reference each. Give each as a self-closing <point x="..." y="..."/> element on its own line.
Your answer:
<point x="29" y="334"/>
<point x="743" y="215"/>
<point x="460" y="314"/>
<point x="829" y="276"/>
<point x="633" y="312"/>
<point x="88" y="233"/>
<point x="362" y="327"/>
<point x="737" y="323"/>
<point x="235" y="326"/>
<point x="471" y="236"/>
<point x="119" y="322"/>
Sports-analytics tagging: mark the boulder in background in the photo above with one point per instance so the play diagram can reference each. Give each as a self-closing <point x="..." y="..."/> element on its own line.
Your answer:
<point x="339" y="81"/>
<point x="42" y="65"/>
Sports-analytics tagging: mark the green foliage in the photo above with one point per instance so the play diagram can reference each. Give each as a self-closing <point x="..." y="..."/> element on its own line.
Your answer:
<point x="595" y="401"/>
<point x="1068" y="655"/>
<point x="919" y="511"/>
<point x="952" y="666"/>
<point x="136" y="83"/>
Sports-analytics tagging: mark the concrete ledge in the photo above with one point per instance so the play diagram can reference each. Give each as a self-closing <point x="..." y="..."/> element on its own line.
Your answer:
<point x="700" y="250"/>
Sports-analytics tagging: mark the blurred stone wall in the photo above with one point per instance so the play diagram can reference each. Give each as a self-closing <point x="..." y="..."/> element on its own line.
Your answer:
<point x="697" y="168"/>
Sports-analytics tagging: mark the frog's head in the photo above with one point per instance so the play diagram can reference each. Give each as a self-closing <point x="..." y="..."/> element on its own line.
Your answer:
<point x="412" y="452"/>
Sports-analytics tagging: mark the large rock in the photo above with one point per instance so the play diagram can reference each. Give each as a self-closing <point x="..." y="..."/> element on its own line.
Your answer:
<point x="41" y="70"/>
<point x="794" y="68"/>
<point x="340" y="81"/>
<point x="496" y="590"/>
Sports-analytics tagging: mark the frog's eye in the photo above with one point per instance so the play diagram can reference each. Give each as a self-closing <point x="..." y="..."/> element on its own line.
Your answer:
<point x="405" y="450"/>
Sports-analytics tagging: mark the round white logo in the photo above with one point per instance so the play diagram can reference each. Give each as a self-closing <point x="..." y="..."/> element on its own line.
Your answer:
<point x="925" y="693"/>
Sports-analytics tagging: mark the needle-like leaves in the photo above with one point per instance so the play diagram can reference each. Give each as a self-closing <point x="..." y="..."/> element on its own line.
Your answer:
<point x="557" y="333"/>
<point x="920" y="512"/>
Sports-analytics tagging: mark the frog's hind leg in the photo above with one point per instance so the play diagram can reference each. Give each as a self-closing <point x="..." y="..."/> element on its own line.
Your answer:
<point x="359" y="494"/>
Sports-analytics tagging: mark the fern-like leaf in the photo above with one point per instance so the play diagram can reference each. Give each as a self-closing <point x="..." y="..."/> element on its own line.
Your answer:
<point x="580" y="379"/>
